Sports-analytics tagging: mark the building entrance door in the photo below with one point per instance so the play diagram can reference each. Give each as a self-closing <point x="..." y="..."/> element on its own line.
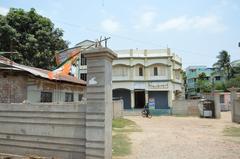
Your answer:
<point x="139" y="98"/>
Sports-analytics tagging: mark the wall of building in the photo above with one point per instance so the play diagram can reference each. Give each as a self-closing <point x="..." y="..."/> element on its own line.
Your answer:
<point x="12" y="88"/>
<point x="18" y="87"/>
<point x="58" y="90"/>
<point x="126" y="72"/>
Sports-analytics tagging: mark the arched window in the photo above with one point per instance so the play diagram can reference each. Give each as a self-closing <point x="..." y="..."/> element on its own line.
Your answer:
<point x="155" y="71"/>
<point x="140" y="71"/>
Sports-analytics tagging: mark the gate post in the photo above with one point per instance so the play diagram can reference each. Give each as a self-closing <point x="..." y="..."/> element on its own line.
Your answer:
<point x="99" y="103"/>
<point x="217" y="105"/>
<point x="233" y="103"/>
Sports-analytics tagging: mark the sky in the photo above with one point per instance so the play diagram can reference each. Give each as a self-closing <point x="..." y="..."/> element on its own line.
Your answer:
<point x="195" y="30"/>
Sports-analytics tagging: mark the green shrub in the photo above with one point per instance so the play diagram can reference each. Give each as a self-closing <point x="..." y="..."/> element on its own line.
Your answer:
<point x="234" y="82"/>
<point x="220" y="86"/>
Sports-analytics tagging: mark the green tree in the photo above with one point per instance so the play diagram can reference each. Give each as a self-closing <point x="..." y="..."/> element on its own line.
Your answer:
<point x="32" y="36"/>
<point x="203" y="84"/>
<point x="233" y="82"/>
<point x="220" y="86"/>
<point x="223" y="64"/>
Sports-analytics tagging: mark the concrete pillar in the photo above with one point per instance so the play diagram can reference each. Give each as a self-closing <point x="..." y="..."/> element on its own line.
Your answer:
<point x="132" y="99"/>
<point x="99" y="103"/>
<point x="217" y="106"/>
<point x="233" y="97"/>
<point x="170" y="96"/>
<point x="146" y="96"/>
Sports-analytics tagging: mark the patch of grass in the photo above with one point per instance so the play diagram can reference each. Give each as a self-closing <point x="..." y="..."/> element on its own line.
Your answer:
<point x="121" y="142"/>
<point x="121" y="145"/>
<point x="232" y="131"/>
<point x="121" y="123"/>
<point x="124" y="125"/>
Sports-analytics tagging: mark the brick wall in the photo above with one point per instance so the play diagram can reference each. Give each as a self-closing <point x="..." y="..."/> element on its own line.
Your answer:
<point x="12" y="88"/>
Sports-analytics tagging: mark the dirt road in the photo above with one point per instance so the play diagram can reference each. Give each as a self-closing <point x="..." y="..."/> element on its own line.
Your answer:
<point x="169" y="137"/>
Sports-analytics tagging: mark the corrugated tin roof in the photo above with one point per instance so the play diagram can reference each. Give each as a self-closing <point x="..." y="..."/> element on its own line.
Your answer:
<point x="8" y="64"/>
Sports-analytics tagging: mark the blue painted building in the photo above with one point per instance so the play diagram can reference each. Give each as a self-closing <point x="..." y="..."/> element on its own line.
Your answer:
<point x="192" y="74"/>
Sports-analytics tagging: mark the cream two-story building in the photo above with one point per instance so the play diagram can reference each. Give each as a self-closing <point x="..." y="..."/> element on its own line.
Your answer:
<point x="141" y="76"/>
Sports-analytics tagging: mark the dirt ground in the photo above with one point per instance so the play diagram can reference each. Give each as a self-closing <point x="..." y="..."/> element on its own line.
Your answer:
<point x="169" y="137"/>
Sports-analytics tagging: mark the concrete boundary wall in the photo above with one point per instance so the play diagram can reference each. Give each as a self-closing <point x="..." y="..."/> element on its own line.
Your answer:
<point x="117" y="108"/>
<point x="66" y="130"/>
<point x="185" y="107"/>
<point x="45" y="129"/>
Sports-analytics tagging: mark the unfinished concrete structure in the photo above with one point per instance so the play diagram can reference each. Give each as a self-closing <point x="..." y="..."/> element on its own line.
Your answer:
<point x="67" y="130"/>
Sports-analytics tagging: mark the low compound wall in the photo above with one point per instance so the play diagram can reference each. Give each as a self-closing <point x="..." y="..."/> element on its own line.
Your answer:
<point x="185" y="107"/>
<point x="56" y="130"/>
<point x="117" y="109"/>
<point x="67" y="130"/>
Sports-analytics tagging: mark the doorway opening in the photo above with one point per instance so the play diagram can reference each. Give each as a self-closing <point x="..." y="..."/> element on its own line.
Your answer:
<point x="139" y="98"/>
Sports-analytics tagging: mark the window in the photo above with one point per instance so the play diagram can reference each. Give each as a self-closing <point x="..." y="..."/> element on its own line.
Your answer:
<point x="80" y="97"/>
<point x="83" y="60"/>
<point x="217" y="78"/>
<point x="155" y="71"/>
<point x="83" y="76"/>
<point x="68" y="97"/>
<point x="193" y="70"/>
<point x="221" y="98"/>
<point x="140" y="71"/>
<point x="190" y="80"/>
<point x="46" y="97"/>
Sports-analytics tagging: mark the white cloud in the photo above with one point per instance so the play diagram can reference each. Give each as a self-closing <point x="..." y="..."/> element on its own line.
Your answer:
<point x="3" y="11"/>
<point x="146" y="20"/>
<point x="208" y="23"/>
<point x="110" y="25"/>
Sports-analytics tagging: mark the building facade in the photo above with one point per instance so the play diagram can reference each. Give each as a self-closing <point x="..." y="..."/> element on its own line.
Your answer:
<point x="192" y="74"/>
<point x="20" y="83"/>
<point x="142" y="76"/>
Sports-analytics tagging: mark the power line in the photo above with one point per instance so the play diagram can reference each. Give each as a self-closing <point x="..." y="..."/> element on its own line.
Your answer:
<point x="193" y="53"/>
<point x="111" y="34"/>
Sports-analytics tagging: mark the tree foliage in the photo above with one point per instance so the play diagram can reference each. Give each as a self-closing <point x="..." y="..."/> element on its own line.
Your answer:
<point x="203" y="84"/>
<point x="32" y="36"/>
<point x="223" y="64"/>
<point x="233" y="82"/>
<point x="220" y="86"/>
